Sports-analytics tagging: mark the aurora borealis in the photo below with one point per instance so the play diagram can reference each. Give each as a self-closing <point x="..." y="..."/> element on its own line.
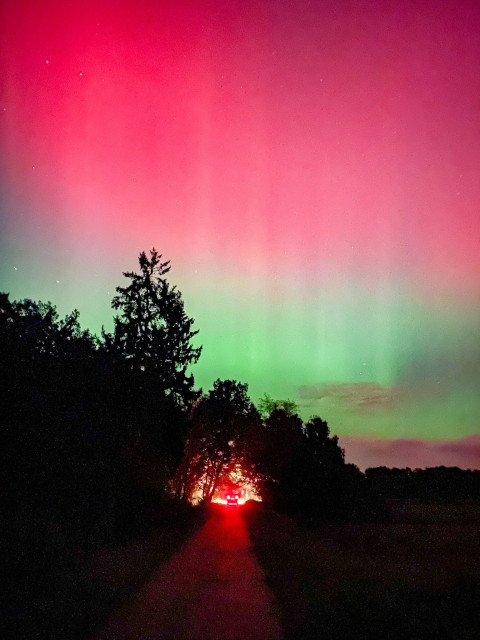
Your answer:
<point x="311" y="169"/>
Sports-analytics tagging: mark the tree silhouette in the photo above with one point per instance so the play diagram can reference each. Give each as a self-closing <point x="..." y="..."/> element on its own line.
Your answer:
<point x="301" y="467"/>
<point x="267" y="404"/>
<point x="282" y="441"/>
<point x="152" y="331"/>
<point x="217" y="444"/>
<point x="323" y="447"/>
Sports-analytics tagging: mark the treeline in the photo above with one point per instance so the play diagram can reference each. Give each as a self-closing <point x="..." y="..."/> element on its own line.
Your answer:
<point x="97" y="430"/>
<point x="294" y="466"/>
<point x="93" y="428"/>
<point x="431" y="485"/>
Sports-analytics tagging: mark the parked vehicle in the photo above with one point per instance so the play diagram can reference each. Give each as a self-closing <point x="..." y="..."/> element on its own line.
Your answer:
<point x="232" y="498"/>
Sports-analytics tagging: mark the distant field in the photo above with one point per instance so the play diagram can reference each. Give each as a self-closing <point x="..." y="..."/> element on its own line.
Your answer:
<point x="413" y="511"/>
<point x="408" y="580"/>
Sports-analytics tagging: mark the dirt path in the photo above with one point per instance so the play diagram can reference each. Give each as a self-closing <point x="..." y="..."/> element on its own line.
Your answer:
<point x="212" y="589"/>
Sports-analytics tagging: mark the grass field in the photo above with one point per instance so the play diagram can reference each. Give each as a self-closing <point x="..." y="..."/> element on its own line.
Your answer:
<point x="408" y="580"/>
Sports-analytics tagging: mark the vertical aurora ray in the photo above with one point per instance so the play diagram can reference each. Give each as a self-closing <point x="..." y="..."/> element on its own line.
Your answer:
<point x="310" y="168"/>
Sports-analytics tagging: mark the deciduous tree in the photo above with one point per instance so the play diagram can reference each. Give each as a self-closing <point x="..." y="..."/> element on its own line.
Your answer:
<point x="218" y="443"/>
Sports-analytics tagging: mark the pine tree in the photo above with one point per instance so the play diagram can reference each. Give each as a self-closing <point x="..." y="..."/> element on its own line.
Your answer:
<point x="152" y="331"/>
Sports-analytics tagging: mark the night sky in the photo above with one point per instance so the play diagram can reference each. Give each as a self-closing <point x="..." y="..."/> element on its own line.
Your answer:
<point x="311" y="169"/>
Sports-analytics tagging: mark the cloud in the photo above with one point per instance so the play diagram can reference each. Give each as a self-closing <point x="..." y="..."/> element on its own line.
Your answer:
<point x="414" y="453"/>
<point x="353" y="396"/>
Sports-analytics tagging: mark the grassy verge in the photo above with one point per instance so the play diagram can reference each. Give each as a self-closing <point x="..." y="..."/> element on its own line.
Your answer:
<point x="391" y="580"/>
<point x="57" y="590"/>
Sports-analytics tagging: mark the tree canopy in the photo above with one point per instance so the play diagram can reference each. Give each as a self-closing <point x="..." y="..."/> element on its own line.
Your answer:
<point x="217" y="443"/>
<point x="152" y="330"/>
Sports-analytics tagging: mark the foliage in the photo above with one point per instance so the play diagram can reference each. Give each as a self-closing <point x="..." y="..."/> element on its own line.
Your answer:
<point x="217" y="444"/>
<point x="33" y="330"/>
<point x="267" y="404"/>
<point x="434" y="484"/>
<point x="152" y="331"/>
<point x="86" y="420"/>
<point x="297" y="467"/>
<point x="303" y="467"/>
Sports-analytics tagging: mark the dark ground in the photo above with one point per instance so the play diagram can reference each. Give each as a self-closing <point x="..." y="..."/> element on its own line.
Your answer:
<point x="56" y="589"/>
<point x="412" y="579"/>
